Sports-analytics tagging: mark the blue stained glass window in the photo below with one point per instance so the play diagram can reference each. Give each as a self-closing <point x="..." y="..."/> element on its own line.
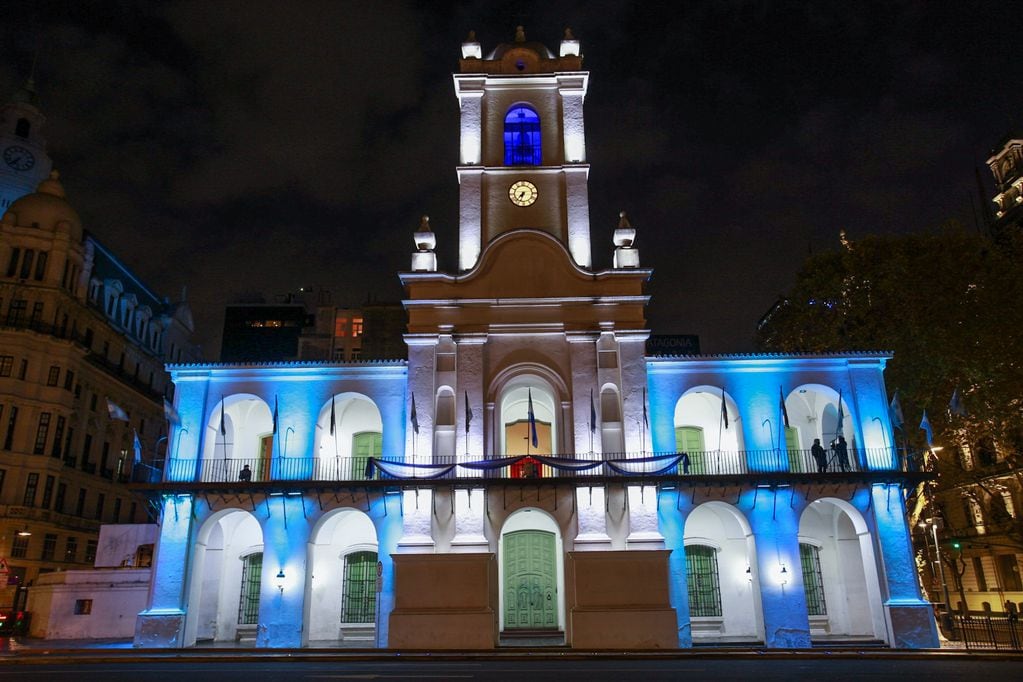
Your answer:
<point x="522" y="137"/>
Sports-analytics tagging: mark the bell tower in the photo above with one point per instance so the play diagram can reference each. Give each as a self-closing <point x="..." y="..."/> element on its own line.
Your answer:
<point x="23" y="160"/>
<point x="522" y="158"/>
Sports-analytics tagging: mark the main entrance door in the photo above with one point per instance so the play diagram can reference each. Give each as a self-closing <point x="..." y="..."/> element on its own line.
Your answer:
<point x="530" y="581"/>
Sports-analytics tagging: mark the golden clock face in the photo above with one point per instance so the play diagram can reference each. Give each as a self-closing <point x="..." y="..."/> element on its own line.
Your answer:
<point x="522" y="193"/>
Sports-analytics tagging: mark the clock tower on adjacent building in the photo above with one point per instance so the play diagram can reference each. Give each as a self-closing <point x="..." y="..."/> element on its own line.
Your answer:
<point x="23" y="159"/>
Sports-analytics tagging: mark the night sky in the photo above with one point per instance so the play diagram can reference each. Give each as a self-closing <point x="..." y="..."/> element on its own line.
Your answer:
<point x="257" y="147"/>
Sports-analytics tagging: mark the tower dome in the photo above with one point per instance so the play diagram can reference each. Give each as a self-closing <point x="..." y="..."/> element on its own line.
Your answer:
<point x="46" y="209"/>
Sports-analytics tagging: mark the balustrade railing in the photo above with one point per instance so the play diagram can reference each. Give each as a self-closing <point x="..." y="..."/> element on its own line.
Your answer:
<point x="583" y="465"/>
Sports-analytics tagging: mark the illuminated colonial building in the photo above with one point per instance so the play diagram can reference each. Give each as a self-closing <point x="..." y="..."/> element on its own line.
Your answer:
<point x="77" y="329"/>
<point x="529" y="470"/>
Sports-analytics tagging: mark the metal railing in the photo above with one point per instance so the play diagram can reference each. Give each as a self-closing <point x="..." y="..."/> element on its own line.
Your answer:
<point x="1001" y="632"/>
<point x="683" y="465"/>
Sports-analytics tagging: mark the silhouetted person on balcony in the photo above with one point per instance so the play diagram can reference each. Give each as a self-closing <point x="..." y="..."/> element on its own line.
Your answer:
<point x="685" y="463"/>
<point x="245" y="474"/>
<point x="819" y="456"/>
<point x="842" y="453"/>
<point x="1011" y="612"/>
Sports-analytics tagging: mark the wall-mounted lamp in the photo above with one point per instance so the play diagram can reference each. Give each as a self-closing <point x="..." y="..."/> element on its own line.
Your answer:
<point x="24" y="532"/>
<point x="280" y="580"/>
<point x="783" y="575"/>
<point x="749" y="573"/>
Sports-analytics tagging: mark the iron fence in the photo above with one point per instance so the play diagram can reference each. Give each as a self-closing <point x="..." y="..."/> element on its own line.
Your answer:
<point x="585" y="465"/>
<point x="997" y="632"/>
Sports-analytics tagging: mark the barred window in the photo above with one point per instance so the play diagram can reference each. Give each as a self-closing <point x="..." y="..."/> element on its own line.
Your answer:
<point x="358" y="601"/>
<point x="702" y="581"/>
<point x="248" y="602"/>
<point x="813" y="579"/>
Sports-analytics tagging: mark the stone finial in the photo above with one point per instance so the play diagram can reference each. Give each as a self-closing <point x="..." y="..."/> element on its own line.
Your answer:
<point x="569" y="45"/>
<point x="471" y="48"/>
<point x="52" y="185"/>
<point x="625" y="256"/>
<point x="520" y="34"/>
<point x="424" y="237"/>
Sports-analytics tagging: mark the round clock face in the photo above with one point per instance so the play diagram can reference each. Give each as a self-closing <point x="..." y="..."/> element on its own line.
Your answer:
<point x="522" y="193"/>
<point x="19" y="158"/>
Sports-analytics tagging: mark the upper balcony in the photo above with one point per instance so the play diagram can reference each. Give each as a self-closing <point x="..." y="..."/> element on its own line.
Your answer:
<point x="694" y="468"/>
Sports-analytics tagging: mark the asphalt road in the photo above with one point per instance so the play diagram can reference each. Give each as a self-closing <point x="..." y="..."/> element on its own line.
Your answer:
<point x="716" y="668"/>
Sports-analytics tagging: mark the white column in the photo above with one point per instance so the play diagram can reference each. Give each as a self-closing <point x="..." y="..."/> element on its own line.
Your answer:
<point x="592" y="514"/>
<point x="470" y="217"/>
<point x="416" y="531"/>
<point x="470" y="381"/>
<point x="644" y="532"/>
<point x="470" y="515"/>
<point x="421" y="363"/>
<point x="631" y="352"/>
<point x="577" y="207"/>
<point x="583" y="358"/>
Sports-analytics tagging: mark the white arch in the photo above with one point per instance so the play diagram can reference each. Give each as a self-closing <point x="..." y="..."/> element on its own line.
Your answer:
<point x="247" y="423"/>
<point x="214" y="581"/>
<point x="532" y="518"/>
<point x="510" y="390"/>
<point x="336" y="534"/>
<point x="612" y="433"/>
<point x="700" y="407"/>
<point x="353" y="414"/>
<point x="722" y="526"/>
<point x="854" y="607"/>
<point x="808" y="408"/>
<point x="444" y="424"/>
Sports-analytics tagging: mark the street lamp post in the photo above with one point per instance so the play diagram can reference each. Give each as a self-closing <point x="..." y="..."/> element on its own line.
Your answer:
<point x="935" y="523"/>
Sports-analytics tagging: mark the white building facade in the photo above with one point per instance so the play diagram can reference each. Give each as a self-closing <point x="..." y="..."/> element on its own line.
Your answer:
<point x="529" y="471"/>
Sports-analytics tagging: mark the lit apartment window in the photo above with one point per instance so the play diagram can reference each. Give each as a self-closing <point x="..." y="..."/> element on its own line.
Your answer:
<point x="356" y="327"/>
<point x="6" y="365"/>
<point x="53" y="376"/>
<point x="90" y="552"/>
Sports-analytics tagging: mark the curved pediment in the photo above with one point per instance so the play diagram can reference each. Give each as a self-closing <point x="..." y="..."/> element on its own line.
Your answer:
<point x="525" y="264"/>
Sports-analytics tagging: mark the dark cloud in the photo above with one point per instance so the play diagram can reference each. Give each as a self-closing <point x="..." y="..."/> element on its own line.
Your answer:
<point x="260" y="146"/>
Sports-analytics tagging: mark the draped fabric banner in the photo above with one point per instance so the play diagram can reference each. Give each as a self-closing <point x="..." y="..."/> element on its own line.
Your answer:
<point x="645" y="466"/>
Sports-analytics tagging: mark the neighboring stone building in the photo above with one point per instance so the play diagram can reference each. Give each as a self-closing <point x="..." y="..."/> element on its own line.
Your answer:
<point x="1006" y="164"/>
<point x="529" y="470"/>
<point x="77" y="330"/>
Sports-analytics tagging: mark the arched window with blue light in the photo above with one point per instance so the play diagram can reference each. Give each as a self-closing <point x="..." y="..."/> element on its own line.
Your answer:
<point x="522" y="137"/>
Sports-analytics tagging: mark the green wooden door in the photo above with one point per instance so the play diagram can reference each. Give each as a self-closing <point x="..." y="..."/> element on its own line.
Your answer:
<point x="792" y="446"/>
<point x="689" y="439"/>
<point x="530" y="581"/>
<point x="364" y="445"/>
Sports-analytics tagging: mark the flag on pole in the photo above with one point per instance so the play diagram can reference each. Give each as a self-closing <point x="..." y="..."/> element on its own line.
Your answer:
<point x="646" y="422"/>
<point x="593" y="414"/>
<point x="532" y="420"/>
<point x="414" y="418"/>
<point x="956" y="406"/>
<point x="784" y="410"/>
<point x="468" y="413"/>
<point x="895" y="412"/>
<point x="841" y="415"/>
<point x="925" y="424"/>
<point x="333" y="416"/>
<point x="223" y="427"/>
<point x="170" y="414"/>
<point x="137" y="445"/>
<point x="724" y="409"/>
<point x="116" y="411"/>
<point x="275" y="414"/>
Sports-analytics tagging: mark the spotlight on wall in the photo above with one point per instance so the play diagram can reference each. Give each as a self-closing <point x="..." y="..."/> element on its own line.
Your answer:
<point x="280" y="580"/>
<point x="24" y="532"/>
